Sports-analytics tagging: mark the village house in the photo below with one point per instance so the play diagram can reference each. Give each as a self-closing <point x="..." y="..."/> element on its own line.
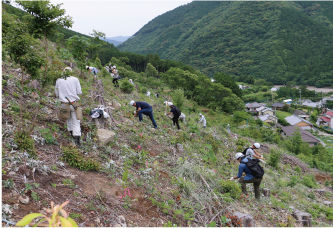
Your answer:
<point x="309" y="103"/>
<point x="268" y="118"/>
<point x="274" y="89"/>
<point x="326" y="120"/>
<point x="306" y="135"/>
<point x="264" y="110"/>
<point x="277" y="105"/>
<point x="252" y="107"/>
<point x="300" y="122"/>
<point x="301" y="114"/>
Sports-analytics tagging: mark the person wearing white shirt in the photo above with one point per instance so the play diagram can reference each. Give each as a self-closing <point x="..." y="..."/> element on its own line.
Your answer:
<point x="203" y="120"/>
<point x="70" y="88"/>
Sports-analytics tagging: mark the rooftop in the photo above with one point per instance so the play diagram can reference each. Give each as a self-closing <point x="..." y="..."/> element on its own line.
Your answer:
<point x="278" y="105"/>
<point x="293" y="120"/>
<point x="299" y="112"/>
<point x="306" y="136"/>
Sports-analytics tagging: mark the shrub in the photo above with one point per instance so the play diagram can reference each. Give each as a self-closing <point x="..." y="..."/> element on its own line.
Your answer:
<point x="259" y="122"/>
<point x="239" y="116"/>
<point x="230" y="187"/>
<point x="104" y="72"/>
<point x="178" y="98"/>
<point x="4" y="83"/>
<point x="281" y="183"/>
<point x="298" y="170"/>
<point x="126" y="86"/>
<point x="309" y="181"/>
<point x="74" y="157"/>
<point x="143" y="90"/>
<point x="25" y="142"/>
<point x="293" y="181"/>
<point x="274" y="158"/>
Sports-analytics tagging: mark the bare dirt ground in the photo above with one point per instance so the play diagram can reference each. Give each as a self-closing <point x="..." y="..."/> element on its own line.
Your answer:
<point x="324" y="90"/>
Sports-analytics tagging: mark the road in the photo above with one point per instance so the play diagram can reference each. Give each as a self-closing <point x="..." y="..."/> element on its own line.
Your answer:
<point x="324" y="90"/>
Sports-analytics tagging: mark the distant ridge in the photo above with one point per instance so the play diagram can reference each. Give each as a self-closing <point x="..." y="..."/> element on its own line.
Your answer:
<point x="277" y="41"/>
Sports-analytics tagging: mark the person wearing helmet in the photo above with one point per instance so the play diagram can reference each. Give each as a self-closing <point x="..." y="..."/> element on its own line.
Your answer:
<point x="176" y="113"/>
<point x="203" y="120"/>
<point x="251" y="153"/>
<point x="249" y="178"/>
<point x="143" y="108"/>
<point x="93" y="70"/>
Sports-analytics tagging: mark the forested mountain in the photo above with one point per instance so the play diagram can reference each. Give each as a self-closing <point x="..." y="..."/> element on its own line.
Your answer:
<point x="277" y="41"/>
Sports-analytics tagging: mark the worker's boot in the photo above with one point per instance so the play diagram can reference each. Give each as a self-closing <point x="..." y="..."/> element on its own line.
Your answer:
<point x="77" y="141"/>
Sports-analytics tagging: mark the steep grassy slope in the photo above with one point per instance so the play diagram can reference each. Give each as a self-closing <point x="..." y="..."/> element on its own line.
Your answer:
<point x="168" y="186"/>
<point x="278" y="41"/>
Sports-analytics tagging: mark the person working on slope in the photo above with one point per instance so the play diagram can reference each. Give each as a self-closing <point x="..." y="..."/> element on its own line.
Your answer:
<point x="143" y="108"/>
<point x="116" y="77"/>
<point x="176" y="113"/>
<point x="249" y="178"/>
<point x="250" y="153"/>
<point x="70" y="88"/>
<point x="203" y="120"/>
<point x="93" y="70"/>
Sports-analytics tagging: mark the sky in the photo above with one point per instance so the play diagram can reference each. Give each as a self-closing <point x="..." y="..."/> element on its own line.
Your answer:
<point x="115" y="18"/>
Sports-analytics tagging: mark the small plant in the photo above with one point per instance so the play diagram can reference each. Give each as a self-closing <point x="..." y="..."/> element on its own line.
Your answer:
<point x="229" y="187"/>
<point x="54" y="221"/>
<point x="49" y="136"/>
<point x="69" y="183"/>
<point x="53" y="185"/>
<point x="55" y="168"/>
<point x="8" y="183"/>
<point x="293" y="181"/>
<point x="75" y="216"/>
<point x="75" y="158"/>
<point x="25" y="142"/>
<point x="309" y="181"/>
<point x="35" y="196"/>
<point x="274" y="158"/>
<point x="298" y="170"/>
<point x="126" y="86"/>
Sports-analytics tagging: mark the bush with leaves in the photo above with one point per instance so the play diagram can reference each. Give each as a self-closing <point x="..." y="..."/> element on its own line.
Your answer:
<point x="309" y="181"/>
<point x="178" y="98"/>
<point x="274" y="158"/>
<point x="231" y="187"/>
<point x="25" y="142"/>
<point x="126" y="86"/>
<point x="75" y="158"/>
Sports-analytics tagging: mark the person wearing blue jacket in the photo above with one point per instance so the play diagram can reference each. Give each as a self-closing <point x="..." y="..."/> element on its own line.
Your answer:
<point x="143" y="108"/>
<point x="249" y="178"/>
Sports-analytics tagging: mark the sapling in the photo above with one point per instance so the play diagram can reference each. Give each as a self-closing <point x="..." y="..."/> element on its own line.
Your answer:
<point x="54" y="221"/>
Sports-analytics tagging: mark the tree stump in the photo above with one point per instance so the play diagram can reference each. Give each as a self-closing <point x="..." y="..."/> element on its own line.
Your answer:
<point x="180" y="148"/>
<point x="327" y="203"/>
<point x="302" y="217"/>
<point x="320" y="191"/>
<point x="193" y="135"/>
<point x="266" y="192"/>
<point x="246" y="220"/>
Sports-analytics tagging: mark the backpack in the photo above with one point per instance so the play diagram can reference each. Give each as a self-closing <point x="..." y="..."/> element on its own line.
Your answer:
<point x="255" y="168"/>
<point x="244" y="152"/>
<point x="178" y="111"/>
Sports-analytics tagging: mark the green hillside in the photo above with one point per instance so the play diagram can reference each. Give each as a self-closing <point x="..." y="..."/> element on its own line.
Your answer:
<point x="277" y="41"/>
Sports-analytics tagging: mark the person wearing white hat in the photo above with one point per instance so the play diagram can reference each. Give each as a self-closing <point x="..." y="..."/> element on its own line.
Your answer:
<point x="131" y="81"/>
<point x="203" y="120"/>
<point x="176" y="113"/>
<point x="251" y="153"/>
<point x="92" y="70"/>
<point x="70" y="89"/>
<point x="249" y="178"/>
<point x="143" y="108"/>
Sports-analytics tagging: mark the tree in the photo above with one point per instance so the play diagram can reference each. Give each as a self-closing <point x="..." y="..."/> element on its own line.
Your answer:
<point x="78" y="46"/>
<point x="43" y="20"/>
<point x="95" y="43"/>
<point x="23" y="50"/>
<point x="150" y="70"/>
<point x="178" y="98"/>
<point x="240" y="116"/>
<point x="228" y="82"/>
